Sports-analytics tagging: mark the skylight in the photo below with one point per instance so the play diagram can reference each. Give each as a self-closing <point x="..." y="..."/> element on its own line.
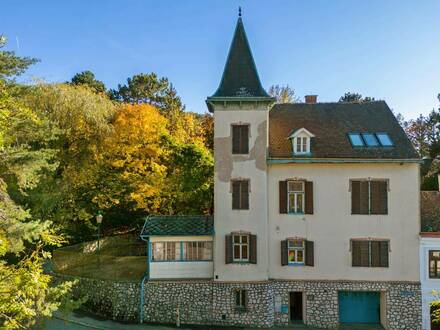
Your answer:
<point x="356" y="140"/>
<point x="384" y="139"/>
<point x="370" y="139"/>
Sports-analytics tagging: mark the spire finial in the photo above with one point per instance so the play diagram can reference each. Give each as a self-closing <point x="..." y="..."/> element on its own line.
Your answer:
<point x="239" y="11"/>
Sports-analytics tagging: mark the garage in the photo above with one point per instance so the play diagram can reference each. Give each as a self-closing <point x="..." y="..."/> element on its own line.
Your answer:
<point x="359" y="307"/>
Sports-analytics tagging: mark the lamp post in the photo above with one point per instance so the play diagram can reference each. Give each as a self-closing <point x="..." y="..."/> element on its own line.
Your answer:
<point x="98" y="221"/>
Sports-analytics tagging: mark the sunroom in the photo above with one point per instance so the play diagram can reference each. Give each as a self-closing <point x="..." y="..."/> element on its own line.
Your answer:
<point x="179" y="246"/>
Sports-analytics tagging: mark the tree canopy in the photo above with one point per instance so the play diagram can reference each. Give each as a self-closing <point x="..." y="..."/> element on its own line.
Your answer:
<point x="87" y="78"/>
<point x="355" y="98"/>
<point x="283" y="94"/>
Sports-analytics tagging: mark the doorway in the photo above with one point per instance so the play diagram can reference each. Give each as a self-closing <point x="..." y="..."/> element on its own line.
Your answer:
<point x="296" y="306"/>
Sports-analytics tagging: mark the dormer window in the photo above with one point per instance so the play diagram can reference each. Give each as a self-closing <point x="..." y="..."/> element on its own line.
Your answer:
<point x="301" y="141"/>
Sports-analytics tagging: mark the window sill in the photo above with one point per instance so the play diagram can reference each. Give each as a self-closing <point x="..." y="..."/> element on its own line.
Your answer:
<point x="295" y="213"/>
<point x="298" y="264"/>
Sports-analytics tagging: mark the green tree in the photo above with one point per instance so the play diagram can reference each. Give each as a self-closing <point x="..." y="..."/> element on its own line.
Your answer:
<point x="87" y="78"/>
<point x="10" y="64"/>
<point x="148" y="88"/>
<point x="283" y="94"/>
<point x="355" y="98"/>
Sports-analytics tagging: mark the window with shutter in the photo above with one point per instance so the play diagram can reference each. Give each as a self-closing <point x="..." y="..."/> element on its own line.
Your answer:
<point x="370" y="253"/>
<point x="240" y="194"/>
<point x="369" y="196"/>
<point x="240" y="139"/>
<point x="240" y="248"/>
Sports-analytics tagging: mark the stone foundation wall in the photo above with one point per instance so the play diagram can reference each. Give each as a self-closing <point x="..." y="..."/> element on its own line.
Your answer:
<point x="402" y="302"/>
<point x="206" y="302"/>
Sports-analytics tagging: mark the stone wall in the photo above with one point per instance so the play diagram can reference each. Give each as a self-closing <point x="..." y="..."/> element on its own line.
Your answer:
<point x="402" y="302"/>
<point x="206" y="302"/>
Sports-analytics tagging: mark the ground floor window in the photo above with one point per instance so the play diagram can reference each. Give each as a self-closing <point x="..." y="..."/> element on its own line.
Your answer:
<point x="181" y="251"/>
<point x="434" y="264"/>
<point x="240" y="299"/>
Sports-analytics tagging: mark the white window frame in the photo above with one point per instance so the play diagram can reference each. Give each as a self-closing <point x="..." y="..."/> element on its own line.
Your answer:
<point x="296" y="249"/>
<point x="303" y="136"/>
<point x="165" y="248"/>
<point x="198" y="251"/>
<point x="241" y="245"/>
<point x="296" y="193"/>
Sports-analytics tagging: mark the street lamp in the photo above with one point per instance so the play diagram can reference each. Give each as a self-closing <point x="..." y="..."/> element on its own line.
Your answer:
<point x="98" y="221"/>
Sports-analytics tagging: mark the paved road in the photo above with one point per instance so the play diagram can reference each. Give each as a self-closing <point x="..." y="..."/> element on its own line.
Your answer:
<point x="85" y="321"/>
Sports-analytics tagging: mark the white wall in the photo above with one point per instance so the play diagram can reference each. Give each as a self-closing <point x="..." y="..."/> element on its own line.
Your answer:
<point x="428" y="285"/>
<point x="180" y="269"/>
<point x="253" y="167"/>
<point x="332" y="225"/>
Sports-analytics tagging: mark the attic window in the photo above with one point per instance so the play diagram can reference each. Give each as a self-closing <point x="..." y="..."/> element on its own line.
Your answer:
<point x="370" y="139"/>
<point x="356" y="140"/>
<point x="301" y="141"/>
<point x="384" y="139"/>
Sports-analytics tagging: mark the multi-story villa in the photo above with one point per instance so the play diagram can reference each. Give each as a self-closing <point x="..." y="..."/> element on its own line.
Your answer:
<point x="316" y="216"/>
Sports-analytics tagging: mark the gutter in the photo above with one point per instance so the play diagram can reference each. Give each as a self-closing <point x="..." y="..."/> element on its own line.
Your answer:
<point x="271" y="161"/>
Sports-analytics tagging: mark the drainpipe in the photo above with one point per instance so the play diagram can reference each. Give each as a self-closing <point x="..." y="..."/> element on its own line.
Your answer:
<point x="146" y="277"/>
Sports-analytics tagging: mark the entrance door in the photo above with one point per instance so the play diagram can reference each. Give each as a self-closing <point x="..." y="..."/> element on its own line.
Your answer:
<point x="359" y="307"/>
<point x="296" y="306"/>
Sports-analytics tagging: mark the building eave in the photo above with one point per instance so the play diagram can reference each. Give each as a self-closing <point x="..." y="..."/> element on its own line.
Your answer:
<point x="272" y="161"/>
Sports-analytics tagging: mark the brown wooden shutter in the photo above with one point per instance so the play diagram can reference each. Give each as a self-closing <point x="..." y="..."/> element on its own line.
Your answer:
<point x="365" y="253"/>
<point x="375" y="253"/>
<point x="309" y="197"/>
<point x="244" y="147"/>
<point x="355" y="253"/>
<point x="244" y="195"/>
<point x="235" y="195"/>
<point x="384" y="253"/>
<point x="383" y="197"/>
<point x="283" y="196"/>
<point x="252" y="249"/>
<point x="355" y="197"/>
<point x="228" y="249"/>
<point x="236" y="139"/>
<point x="310" y="254"/>
<point x="364" y="197"/>
<point x="284" y="253"/>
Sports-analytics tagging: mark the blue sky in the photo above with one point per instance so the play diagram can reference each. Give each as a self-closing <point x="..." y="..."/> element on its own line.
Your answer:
<point x="386" y="49"/>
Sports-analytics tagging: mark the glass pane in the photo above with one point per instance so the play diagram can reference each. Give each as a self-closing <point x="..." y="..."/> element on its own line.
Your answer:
<point x="291" y="203"/>
<point x="298" y="144"/>
<point x="236" y="239"/>
<point x="370" y="139"/>
<point x="296" y="243"/>
<point x="207" y="251"/>
<point x="300" y="255"/>
<point x="177" y="255"/>
<point x="436" y="254"/>
<point x="244" y="252"/>
<point x="299" y="203"/>
<point x="244" y="239"/>
<point x="296" y="185"/>
<point x="292" y="256"/>
<point x="158" y="251"/>
<point x="236" y="251"/>
<point x="356" y="140"/>
<point x="384" y="139"/>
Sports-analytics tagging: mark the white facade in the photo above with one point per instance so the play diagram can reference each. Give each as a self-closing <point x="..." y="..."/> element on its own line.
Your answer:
<point x="430" y="286"/>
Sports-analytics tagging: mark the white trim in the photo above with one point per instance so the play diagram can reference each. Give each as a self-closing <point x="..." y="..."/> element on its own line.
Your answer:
<point x="299" y="131"/>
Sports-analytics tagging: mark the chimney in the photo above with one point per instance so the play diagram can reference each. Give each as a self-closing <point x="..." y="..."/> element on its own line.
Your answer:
<point x="311" y="99"/>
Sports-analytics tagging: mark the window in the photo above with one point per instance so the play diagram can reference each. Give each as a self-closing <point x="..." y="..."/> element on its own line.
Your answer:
<point x="166" y="251"/>
<point x="296" y="250"/>
<point x="369" y="196"/>
<point x="434" y="264"/>
<point x="240" y="299"/>
<point x="295" y="196"/>
<point x="240" y="139"/>
<point x="197" y="251"/>
<point x="240" y="194"/>
<point x="356" y="140"/>
<point x="384" y="139"/>
<point x="241" y="247"/>
<point x="370" y="139"/>
<point x="369" y="253"/>
<point x="301" y="145"/>
<point x="182" y="251"/>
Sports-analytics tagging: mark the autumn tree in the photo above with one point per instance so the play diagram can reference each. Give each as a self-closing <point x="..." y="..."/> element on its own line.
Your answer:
<point x="283" y="94"/>
<point x="355" y="98"/>
<point x="87" y="78"/>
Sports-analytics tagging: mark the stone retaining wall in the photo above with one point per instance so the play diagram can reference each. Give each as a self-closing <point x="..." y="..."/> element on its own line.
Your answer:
<point x="206" y="302"/>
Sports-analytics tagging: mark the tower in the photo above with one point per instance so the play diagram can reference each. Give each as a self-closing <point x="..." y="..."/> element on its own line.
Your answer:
<point x="240" y="107"/>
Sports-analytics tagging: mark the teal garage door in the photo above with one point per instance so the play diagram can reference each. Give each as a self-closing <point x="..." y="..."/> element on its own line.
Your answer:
<point x="359" y="307"/>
